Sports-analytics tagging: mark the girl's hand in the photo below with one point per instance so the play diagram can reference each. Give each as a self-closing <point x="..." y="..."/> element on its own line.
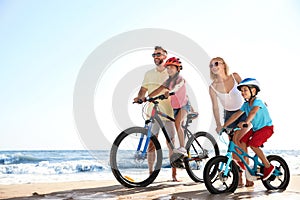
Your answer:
<point x="167" y="94"/>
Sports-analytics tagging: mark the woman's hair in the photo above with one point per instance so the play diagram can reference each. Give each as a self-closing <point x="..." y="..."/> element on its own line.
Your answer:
<point x="212" y="75"/>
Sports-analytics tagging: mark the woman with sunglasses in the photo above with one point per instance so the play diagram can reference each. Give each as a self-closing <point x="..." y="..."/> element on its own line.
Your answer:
<point x="224" y="89"/>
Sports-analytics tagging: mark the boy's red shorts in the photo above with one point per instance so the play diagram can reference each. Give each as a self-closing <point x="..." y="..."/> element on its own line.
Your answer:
<point x="257" y="138"/>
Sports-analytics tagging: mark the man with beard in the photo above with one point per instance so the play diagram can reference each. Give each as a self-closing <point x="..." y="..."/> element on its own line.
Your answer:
<point x="152" y="80"/>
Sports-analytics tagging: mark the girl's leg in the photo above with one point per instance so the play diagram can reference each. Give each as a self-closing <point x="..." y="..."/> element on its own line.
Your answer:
<point x="178" y="122"/>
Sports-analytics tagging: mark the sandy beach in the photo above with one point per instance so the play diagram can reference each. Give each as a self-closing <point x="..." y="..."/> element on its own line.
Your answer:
<point x="160" y="190"/>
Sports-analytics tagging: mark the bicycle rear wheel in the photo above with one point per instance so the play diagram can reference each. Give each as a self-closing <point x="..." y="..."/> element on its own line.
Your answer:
<point x="130" y="167"/>
<point x="200" y="149"/>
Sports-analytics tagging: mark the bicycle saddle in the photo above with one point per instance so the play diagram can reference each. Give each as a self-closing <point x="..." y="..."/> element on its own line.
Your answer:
<point x="192" y="115"/>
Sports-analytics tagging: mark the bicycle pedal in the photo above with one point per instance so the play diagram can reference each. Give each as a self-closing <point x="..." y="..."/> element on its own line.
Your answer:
<point x="178" y="164"/>
<point x="176" y="161"/>
<point x="259" y="174"/>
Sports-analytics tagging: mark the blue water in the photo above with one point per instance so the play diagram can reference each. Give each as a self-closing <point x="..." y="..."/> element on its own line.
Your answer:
<point x="48" y="166"/>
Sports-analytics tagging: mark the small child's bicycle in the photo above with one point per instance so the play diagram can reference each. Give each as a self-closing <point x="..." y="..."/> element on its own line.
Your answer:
<point x="129" y="152"/>
<point x="221" y="174"/>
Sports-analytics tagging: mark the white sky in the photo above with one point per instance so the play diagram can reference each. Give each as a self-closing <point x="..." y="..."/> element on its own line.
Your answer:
<point x="45" y="43"/>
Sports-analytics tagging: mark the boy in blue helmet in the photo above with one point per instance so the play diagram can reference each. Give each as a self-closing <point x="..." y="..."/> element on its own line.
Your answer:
<point x="257" y="116"/>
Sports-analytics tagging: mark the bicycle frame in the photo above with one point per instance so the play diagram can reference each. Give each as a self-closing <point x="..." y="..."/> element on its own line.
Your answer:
<point x="232" y="149"/>
<point x="148" y="125"/>
<point x="252" y="170"/>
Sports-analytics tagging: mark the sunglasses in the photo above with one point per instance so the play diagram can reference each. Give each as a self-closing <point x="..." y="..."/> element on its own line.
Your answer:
<point x="215" y="64"/>
<point x="156" y="54"/>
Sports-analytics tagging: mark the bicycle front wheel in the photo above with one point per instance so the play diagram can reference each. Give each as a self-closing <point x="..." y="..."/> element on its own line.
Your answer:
<point x="130" y="166"/>
<point x="200" y="148"/>
<point x="221" y="176"/>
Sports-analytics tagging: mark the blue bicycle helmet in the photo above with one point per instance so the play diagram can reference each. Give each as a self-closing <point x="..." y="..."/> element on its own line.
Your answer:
<point x="250" y="82"/>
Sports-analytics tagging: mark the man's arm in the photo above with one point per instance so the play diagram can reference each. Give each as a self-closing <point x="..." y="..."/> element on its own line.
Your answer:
<point x="141" y="94"/>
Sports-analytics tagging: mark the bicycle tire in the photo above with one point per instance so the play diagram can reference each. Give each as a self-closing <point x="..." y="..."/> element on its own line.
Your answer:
<point x="217" y="183"/>
<point x="278" y="182"/>
<point x="197" y="158"/>
<point x="129" y="170"/>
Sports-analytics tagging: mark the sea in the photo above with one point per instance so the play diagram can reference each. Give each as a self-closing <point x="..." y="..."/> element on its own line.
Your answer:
<point x="22" y="167"/>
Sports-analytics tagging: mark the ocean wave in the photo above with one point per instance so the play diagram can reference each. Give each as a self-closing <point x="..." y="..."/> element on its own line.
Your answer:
<point x="47" y="168"/>
<point x="17" y="158"/>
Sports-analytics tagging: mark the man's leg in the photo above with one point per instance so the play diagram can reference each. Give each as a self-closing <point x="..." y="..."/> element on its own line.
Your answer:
<point x="170" y="127"/>
<point x="151" y="152"/>
<point x="151" y="156"/>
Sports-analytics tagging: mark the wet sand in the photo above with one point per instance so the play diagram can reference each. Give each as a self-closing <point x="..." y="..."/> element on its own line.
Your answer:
<point x="159" y="190"/>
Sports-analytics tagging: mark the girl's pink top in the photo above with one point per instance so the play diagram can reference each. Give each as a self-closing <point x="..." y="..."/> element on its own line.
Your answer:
<point x="180" y="98"/>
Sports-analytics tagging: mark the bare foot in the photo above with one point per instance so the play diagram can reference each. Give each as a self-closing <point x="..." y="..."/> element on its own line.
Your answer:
<point x="174" y="179"/>
<point x="249" y="183"/>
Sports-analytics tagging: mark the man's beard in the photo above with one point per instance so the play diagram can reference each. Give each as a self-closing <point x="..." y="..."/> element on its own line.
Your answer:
<point x="158" y="61"/>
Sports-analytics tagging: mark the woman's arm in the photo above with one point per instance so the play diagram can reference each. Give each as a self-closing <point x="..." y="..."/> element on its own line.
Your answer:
<point x="215" y="107"/>
<point x="233" y="117"/>
<point x="237" y="77"/>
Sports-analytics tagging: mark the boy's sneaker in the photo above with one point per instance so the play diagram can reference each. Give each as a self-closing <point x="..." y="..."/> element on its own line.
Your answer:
<point x="268" y="172"/>
<point x="180" y="150"/>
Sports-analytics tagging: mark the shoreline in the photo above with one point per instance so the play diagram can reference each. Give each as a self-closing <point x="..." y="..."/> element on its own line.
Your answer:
<point x="159" y="190"/>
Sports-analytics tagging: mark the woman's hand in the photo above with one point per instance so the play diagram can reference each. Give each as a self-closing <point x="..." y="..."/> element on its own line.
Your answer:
<point x="219" y="128"/>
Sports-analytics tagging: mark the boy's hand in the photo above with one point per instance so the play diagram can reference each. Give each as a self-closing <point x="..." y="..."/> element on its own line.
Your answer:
<point x="243" y="125"/>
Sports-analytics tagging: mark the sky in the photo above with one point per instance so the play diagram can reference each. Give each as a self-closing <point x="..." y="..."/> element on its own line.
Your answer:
<point x="44" y="45"/>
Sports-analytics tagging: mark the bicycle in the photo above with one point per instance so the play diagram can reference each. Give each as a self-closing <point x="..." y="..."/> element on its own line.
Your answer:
<point x="128" y="155"/>
<point x="221" y="174"/>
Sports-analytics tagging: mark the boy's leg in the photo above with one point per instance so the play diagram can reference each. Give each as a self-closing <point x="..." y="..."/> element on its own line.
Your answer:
<point x="258" y="139"/>
<point x="261" y="156"/>
<point x="268" y="169"/>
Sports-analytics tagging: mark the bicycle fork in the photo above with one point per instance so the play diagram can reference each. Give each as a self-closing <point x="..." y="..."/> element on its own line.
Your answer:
<point x="141" y="152"/>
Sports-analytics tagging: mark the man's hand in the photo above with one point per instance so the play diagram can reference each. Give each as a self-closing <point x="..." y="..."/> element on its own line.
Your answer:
<point x="137" y="99"/>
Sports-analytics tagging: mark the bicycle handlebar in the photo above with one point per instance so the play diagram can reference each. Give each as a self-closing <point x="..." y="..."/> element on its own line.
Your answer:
<point x="152" y="99"/>
<point x="231" y="130"/>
